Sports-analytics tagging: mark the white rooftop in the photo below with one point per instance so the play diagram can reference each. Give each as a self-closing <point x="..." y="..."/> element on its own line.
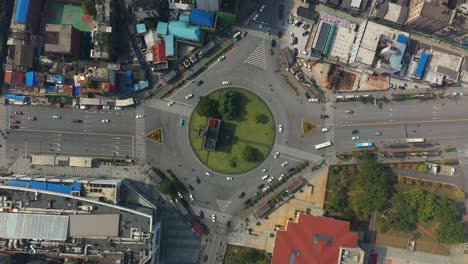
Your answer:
<point x="33" y="226"/>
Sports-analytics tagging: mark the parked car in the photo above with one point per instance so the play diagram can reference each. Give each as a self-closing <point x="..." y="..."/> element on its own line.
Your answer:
<point x="14" y="126"/>
<point x="226" y="82"/>
<point x="291" y="169"/>
<point x="179" y="195"/>
<point x="273" y="43"/>
<point x="281" y="177"/>
<point x="170" y="103"/>
<point x="77" y="121"/>
<point x="349" y="111"/>
<point x="276" y="154"/>
<point x="229" y="178"/>
<point x="200" y="82"/>
<point x="284" y="164"/>
<point x="56" y="117"/>
<point x="15" y="121"/>
<point x="221" y="58"/>
<point x="32" y="118"/>
<point x="270" y="179"/>
<point x="355" y="131"/>
<point x="19" y="113"/>
<point x="305" y="33"/>
<point x="280" y="128"/>
<point x="106" y="107"/>
<point x="181" y="122"/>
<point x="209" y="174"/>
<point x="265" y="169"/>
<point x="355" y="138"/>
<point x="105" y="121"/>
<point x="190" y="187"/>
<point x="266" y="188"/>
<point x="140" y="116"/>
<point x="118" y="108"/>
<point x="260" y="186"/>
<point x="241" y="195"/>
<point x="213" y="218"/>
<point x="378" y="133"/>
<point x="188" y="96"/>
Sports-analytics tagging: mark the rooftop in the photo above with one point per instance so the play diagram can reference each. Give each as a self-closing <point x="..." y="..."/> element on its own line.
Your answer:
<point x="33" y="226"/>
<point x="94" y="225"/>
<point x="313" y="240"/>
<point x="443" y="65"/>
<point x="58" y="38"/>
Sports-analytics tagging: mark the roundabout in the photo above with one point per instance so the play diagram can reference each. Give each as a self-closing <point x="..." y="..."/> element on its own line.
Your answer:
<point x="244" y="137"/>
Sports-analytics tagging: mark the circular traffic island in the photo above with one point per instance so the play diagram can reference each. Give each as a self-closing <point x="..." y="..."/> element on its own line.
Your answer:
<point x="232" y="130"/>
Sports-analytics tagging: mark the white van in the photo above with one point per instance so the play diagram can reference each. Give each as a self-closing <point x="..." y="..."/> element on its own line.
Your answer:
<point x="325" y="129"/>
<point x="314" y="100"/>
<point x="265" y="177"/>
<point x="83" y="107"/>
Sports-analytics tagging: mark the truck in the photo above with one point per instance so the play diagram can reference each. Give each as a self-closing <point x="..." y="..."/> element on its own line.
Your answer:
<point x="155" y="175"/>
<point x="364" y="144"/>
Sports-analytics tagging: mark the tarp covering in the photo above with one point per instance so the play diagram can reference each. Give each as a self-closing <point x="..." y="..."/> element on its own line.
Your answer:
<point x="124" y="102"/>
<point x="421" y="65"/>
<point x="15" y="183"/>
<point x="128" y="77"/>
<point x="31" y="79"/>
<point x="52" y="187"/>
<point x="51" y="89"/>
<point x="15" y="97"/>
<point x="202" y="18"/>
<point x="22" y="9"/>
<point x="140" y="28"/>
<point x="77" y="90"/>
<point x="39" y="185"/>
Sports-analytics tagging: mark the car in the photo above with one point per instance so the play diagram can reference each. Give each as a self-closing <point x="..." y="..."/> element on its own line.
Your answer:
<point x="190" y="187"/>
<point x="106" y="107"/>
<point x="307" y="95"/>
<point x="200" y="82"/>
<point x="325" y="129"/>
<point x="281" y="177"/>
<point x="188" y="96"/>
<point x="280" y="128"/>
<point x="266" y="188"/>
<point x="298" y="23"/>
<point x="241" y="195"/>
<point x="291" y="169"/>
<point x="140" y="116"/>
<point x="349" y="111"/>
<point x="355" y="138"/>
<point x="213" y="218"/>
<point x="305" y="33"/>
<point x="118" y="108"/>
<point x="179" y="195"/>
<point x="229" y="179"/>
<point x="306" y="26"/>
<point x="205" y="258"/>
<point x="56" y="117"/>
<point x="181" y="122"/>
<point x="284" y="164"/>
<point x="105" y="121"/>
<point x="209" y="174"/>
<point x="19" y="113"/>
<point x="324" y="116"/>
<point x="191" y="197"/>
<point x="255" y="17"/>
<point x="265" y="169"/>
<point x="33" y="118"/>
<point x="378" y="133"/>
<point x="15" y="121"/>
<point x="279" y="34"/>
<point x="77" y="121"/>
<point x="270" y="179"/>
<point x="221" y="58"/>
<point x="276" y="155"/>
<point x="256" y="193"/>
<point x="273" y="43"/>
<point x="355" y="131"/>
<point x="291" y="34"/>
<point x="170" y="103"/>
<point x="14" y="127"/>
<point x="97" y="107"/>
<point x="201" y="214"/>
<point x="260" y="26"/>
<point x="260" y="186"/>
<point x="271" y="52"/>
<point x="264" y="177"/>
<point x="197" y="180"/>
<point x="226" y="82"/>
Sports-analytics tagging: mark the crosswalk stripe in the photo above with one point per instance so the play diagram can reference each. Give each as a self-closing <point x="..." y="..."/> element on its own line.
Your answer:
<point x="177" y="108"/>
<point x="223" y="204"/>
<point x="258" y="56"/>
<point x="297" y="153"/>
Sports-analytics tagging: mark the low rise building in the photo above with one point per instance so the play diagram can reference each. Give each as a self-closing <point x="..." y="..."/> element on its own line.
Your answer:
<point x="429" y="16"/>
<point x="62" y="40"/>
<point x="443" y="68"/>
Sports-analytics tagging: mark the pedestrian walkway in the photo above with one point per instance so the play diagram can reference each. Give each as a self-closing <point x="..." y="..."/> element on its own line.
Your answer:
<point x="140" y="146"/>
<point x="177" y="108"/>
<point x="223" y="204"/>
<point x="297" y="153"/>
<point x="258" y="56"/>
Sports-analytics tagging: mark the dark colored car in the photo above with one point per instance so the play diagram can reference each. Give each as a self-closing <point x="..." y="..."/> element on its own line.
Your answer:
<point x="190" y="187"/>
<point x="271" y="52"/>
<point x="77" y="121"/>
<point x="291" y="169"/>
<point x="305" y="33"/>
<point x="273" y="43"/>
<point x="260" y="186"/>
<point x="15" y="121"/>
<point x="324" y="116"/>
<point x="307" y="95"/>
<point x="241" y="195"/>
<point x="202" y="214"/>
<point x="355" y="131"/>
<point x="197" y="180"/>
<point x="14" y="127"/>
<point x="200" y="82"/>
<point x="205" y="258"/>
<point x="279" y="34"/>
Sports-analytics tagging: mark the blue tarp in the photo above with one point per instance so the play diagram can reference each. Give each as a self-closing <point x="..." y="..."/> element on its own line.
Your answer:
<point x="39" y="185"/>
<point x="421" y="65"/>
<point x="128" y="78"/>
<point x="52" y="187"/>
<point x="15" y="183"/>
<point x="202" y="18"/>
<point x="170" y="45"/>
<point x="184" y="31"/>
<point x="402" y="39"/>
<point x="141" y="85"/>
<point x="77" y="186"/>
<point x="140" y="28"/>
<point x="77" y="90"/>
<point x="161" y="28"/>
<point x="50" y="89"/>
<point x="31" y="79"/>
<point x="22" y="9"/>
<point x="15" y="97"/>
<point x="58" y="79"/>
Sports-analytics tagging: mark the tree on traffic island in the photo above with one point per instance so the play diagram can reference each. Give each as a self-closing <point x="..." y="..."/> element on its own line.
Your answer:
<point x="207" y="107"/>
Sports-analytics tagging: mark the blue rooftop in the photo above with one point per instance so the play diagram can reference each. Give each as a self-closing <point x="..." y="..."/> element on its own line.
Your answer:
<point x="202" y="18"/>
<point x="31" y="79"/>
<point x="184" y="31"/>
<point x="161" y="29"/>
<point x="421" y="65"/>
<point x="184" y="18"/>
<point x="22" y="9"/>
<point x="402" y="39"/>
<point x="15" y="97"/>
<point x="170" y="45"/>
<point x="140" y="28"/>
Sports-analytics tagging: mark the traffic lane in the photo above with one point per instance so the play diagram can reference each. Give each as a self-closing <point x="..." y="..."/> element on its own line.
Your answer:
<point x="70" y="144"/>
<point x="120" y="121"/>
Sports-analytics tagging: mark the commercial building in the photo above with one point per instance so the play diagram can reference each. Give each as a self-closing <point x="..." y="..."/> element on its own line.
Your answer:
<point x="443" y="68"/>
<point x="54" y="160"/>
<point x="143" y="9"/>
<point x="209" y="5"/>
<point x="202" y="18"/>
<point x="317" y="240"/>
<point x="393" y="11"/>
<point x="429" y="16"/>
<point x="62" y="40"/>
<point x="457" y="30"/>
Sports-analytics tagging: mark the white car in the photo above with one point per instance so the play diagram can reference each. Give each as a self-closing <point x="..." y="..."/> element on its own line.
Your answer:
<point x="209" y="174"/>
<point x="106" y="107"/>
<point x="276" y="154"/>
<point x="255" y="17"/>
<point x="355" y="138"/>
<point x="281" y="177"/>
<point x="171" y="103"/>
<point x="213" y="218"/>
<point x="105" y="121"/>
<point x="226" y="82"/>
<point x="291" y="34"/>
<point x="188" y="96"/>
<point x="140" y="116"/>
<point x="221" y="58"/>
<point x="229" y="178"/>
<point x="118" y="108"/>
<point x="266" y="188"/>
<point x="179" y="195"/>
<point x="270" y="179"/>
<point x="191" y="197"/>
<point x="378" y="133"/>
<point x="284" y="164"/>
<point x="280" y="128"/>
<point x="265" y="169"/>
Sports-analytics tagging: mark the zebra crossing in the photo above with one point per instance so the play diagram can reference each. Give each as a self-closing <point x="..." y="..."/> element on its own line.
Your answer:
<point x="178" y="108"/>
<point x="140" y="146"/>
<point x="297" y="153"/>
<point x="258" y="56"/>
<point x="223" y="204"/>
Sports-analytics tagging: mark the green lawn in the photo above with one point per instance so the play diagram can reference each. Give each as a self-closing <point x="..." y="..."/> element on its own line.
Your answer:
<point x="243" y="132"/>
<point x="245" y="255"/>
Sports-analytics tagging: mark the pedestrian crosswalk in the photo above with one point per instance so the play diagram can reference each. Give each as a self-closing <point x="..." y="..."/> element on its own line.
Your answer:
<point x="223" y="204"/>
<point x="258" y="56"/>
<point x="297" y="153"/>
<point x="140" y="146"/>
<point x="177" y="108"/>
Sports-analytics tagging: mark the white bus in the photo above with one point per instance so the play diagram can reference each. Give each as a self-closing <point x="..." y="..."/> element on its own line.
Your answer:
<point x="323" y="145"/>
<point x="415" y="140"/>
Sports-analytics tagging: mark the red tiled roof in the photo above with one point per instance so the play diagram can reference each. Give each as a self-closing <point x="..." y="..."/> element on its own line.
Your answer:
<point x="159" y="53"/>
<point x="8" y="75"/>
<point x="299" y="237"/>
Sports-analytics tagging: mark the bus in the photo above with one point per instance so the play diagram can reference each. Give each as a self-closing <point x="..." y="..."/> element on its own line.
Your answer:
<point x="364" y="144"/>
<point x="323" y="145"/>
<point x="414" y="140"/>
<point x="237" y="36"/>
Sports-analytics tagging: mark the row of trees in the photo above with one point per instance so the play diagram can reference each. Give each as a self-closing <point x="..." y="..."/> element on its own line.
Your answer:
<point x="231" y="106"/>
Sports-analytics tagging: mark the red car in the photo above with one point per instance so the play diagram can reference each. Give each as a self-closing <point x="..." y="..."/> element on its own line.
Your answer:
<point x="280" y="34"/>
<point x="15" y="121"/>
<point x="97" y="107"/>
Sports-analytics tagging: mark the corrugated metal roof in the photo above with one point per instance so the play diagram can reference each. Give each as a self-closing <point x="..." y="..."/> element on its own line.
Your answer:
<point x="81" y="162"/>
<point x="323" y="36"/>
<point x="8" y="76"/>
<point x="184" y="31"/>
<point x="202" y="18"/>
<point x="170" y="45"/>
<point x="22" y="9"/>
<point x="33" y="226"/>
<point x="161" y="29"/>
